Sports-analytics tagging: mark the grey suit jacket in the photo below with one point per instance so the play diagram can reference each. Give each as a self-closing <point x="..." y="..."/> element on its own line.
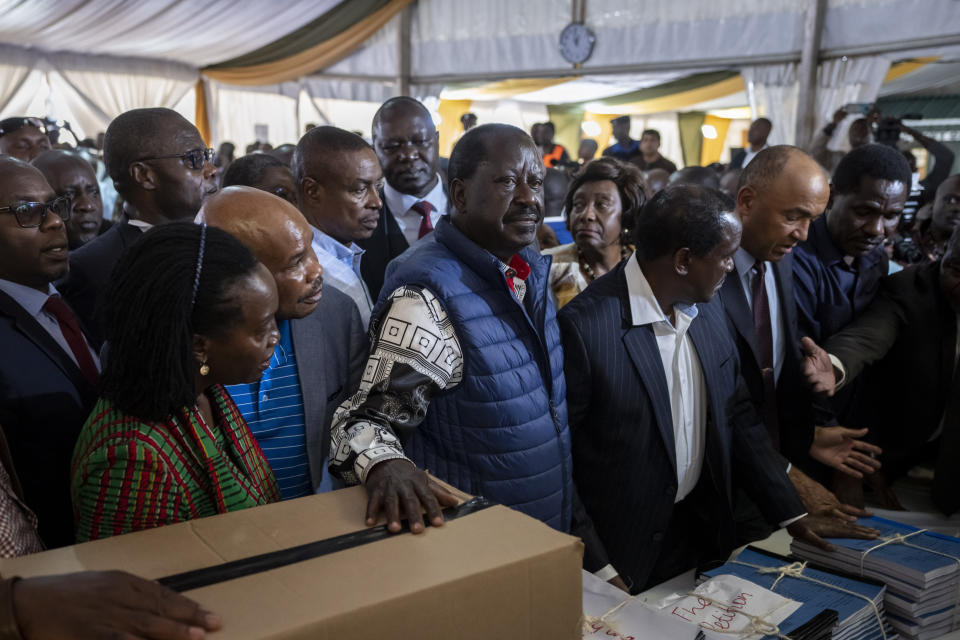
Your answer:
<point x="331" y="348"/>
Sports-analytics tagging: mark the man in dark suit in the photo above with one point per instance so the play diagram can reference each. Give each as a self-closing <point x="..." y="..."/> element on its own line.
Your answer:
<point x="757" y="136"/>
<point x="406" y="140"/>
<point x="915" y="410"/>
<point x="49" y="369"/>
<point x="162" y="169"/>
<point x="658" y="408"/>
<point x="779" y="194"/>
<point x="323" y="346"/>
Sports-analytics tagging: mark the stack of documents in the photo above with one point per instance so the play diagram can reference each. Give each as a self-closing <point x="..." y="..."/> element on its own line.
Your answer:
<point x="855" y="607"/>
<point x="920" y="569"/>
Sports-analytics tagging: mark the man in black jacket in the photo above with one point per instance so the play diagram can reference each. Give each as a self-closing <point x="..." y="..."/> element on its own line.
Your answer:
<point x="414" y="199"/>
<point x="162" y="169"/>
<point x="905" y="345"/>
<point x="658" y="408"/>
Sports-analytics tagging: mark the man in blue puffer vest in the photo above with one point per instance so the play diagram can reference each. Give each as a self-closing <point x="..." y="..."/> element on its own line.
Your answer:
<point x="465" y="376"/>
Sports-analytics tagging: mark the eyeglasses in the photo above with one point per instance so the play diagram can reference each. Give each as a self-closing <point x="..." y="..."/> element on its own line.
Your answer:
<point x="194" y="158"/>
<point x="33" y="214"/>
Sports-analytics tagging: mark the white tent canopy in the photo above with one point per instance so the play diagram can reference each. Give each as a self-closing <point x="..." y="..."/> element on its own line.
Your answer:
<point x="88" y="60"/>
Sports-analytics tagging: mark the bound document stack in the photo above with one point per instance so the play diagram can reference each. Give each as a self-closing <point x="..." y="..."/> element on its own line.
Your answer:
<point x="855" y="606"/>
<point x="921" y="570"/>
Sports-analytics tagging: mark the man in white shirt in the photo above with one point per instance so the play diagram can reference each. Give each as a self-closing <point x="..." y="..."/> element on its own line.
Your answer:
<point x="657" y="405"/>
<point x="338" y="181"/>
<point x="406" y="141"/>
<point x="757" y="136"/>
<point x="49" y="370"/>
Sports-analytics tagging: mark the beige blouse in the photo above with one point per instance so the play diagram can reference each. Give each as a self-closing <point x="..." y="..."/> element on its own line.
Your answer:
<point x="566" y="280"/>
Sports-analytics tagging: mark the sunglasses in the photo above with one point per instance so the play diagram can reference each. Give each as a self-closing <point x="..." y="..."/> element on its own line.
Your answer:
<point x="195" y="158"/>
<point x="33" y="214"/>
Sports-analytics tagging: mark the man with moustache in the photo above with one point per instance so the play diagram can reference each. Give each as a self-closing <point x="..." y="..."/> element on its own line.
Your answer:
<point x="319" y="359"/>
<point x="912" y="320"/>
<point x="73" y="177"/>
<point x="162" y="169"/>
<point x="465" y="375"/>
<point x="780" y="193"/>
<point x="338" y="180"/>
<point x="653" y="376"/>
<point x="406" y="142"/>
<point x="49" y="370"/>
<point x="837" y="272"/>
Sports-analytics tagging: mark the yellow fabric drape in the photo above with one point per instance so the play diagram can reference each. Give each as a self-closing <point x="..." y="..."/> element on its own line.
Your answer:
<point x="201" y="115"/>
<point x="503" y="89"/>
<point x="680" y="100"/>
<point x="450" y="126"/>
<point x="903" y="68"/>
<point x="711" y="149"/>
<point x="319" y="57"/>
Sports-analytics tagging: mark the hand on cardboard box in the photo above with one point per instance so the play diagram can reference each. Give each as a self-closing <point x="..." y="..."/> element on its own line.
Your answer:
<point x="97" y="605"/>
<point x="397" y="488"/>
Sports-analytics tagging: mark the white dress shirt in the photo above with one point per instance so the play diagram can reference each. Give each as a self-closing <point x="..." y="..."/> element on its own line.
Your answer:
<point x="681" y="365"/>
<point x="341" y="270"/>
<point x="409" y="220"/>
<point x="750" y="155"/>
<point x="32" y="301"/>
<point x="744" y="263"/>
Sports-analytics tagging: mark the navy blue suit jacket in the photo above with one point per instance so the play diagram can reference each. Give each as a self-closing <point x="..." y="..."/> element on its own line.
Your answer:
<point x="624" y="454"/>
<point x="44" y="401"/>
<point x="794" y="398"/>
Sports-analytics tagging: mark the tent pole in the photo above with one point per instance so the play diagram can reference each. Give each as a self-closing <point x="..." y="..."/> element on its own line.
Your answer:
<point x="807" y="71"/>
<point x="403" y="51"/>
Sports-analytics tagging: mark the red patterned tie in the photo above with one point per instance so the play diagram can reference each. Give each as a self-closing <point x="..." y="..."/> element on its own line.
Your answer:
<point x="424" y="208"/>
<point x="71" y="331"/>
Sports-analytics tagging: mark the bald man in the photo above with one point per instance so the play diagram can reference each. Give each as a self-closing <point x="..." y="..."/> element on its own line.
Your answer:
<point x="414" y="199"/>
<point x="71" y="175"/>
<point x="322" y="348"/>
<point x="780" y="193"/>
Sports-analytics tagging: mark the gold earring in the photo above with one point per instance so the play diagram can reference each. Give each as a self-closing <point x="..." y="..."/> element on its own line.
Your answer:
<point x="204" y="367"/>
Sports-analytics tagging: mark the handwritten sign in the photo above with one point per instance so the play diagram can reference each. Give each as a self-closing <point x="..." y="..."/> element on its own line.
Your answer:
<point x="728" y="604"/>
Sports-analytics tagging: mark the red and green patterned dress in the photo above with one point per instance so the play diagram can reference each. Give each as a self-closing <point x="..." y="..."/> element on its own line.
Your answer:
<point x="129" y="475"/>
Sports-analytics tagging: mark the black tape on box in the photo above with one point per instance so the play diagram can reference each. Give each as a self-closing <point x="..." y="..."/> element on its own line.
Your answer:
<point x="276" y="559"/>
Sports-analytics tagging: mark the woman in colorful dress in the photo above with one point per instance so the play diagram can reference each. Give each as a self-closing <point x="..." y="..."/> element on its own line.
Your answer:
<point x="188" y="310"/>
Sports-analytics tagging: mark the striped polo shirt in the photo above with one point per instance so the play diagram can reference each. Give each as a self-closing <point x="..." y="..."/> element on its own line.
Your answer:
<point x="273" y="408"/>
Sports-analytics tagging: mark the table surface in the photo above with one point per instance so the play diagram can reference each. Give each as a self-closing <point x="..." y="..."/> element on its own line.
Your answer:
<point x="779" y="542"/>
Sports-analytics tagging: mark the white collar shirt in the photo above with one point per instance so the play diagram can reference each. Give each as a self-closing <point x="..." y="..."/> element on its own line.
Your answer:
<point x="400" y="205"/>
<point x="681" y="366"/>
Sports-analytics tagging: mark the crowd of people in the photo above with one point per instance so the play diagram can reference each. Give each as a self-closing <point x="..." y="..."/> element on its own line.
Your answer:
<point x="719" y="352"/>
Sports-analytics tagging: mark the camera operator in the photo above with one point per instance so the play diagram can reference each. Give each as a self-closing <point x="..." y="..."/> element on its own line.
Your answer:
<point x="858" y="135"/>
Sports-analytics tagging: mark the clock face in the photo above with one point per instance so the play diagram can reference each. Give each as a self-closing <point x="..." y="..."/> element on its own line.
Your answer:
<point x="576" y="43"/>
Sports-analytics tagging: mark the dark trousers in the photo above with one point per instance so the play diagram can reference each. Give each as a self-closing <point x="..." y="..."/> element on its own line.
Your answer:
<point x="692" y="540"/>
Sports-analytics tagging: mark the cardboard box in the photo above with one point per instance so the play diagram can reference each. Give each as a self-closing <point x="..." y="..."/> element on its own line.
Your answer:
<point x="494" y="573"/>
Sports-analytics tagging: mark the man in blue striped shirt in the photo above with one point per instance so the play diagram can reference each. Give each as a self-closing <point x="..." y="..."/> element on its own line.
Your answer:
<point x="322" y="348"/>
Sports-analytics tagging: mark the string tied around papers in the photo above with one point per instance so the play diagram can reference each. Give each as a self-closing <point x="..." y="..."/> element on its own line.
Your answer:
<point x="757" y="624"/>
<point x="899" y="538"/>
<point x="796" y="569"/>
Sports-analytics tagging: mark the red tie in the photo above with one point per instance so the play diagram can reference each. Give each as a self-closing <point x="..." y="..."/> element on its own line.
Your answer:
<point x="424" y="208"/>
<point x="71" y="331"/>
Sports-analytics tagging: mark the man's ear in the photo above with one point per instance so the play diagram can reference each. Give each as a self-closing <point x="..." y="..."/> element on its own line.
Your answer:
<point x="312" y="189"/>
<point x="681" y="261"/>
<point x="746" y="197"/>
<point x="458" y="195"/>
<point x="143" y="175"/>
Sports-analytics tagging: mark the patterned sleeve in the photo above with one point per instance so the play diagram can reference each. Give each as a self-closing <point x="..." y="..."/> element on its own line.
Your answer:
<point x="414" y="354"/>
<point x="123" y="487"/>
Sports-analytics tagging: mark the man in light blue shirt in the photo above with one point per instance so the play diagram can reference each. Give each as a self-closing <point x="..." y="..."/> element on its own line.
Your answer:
<point x="338" y="180"/>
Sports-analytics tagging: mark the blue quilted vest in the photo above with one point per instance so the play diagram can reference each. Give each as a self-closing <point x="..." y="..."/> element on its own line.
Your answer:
<point x="502" y="431"/>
